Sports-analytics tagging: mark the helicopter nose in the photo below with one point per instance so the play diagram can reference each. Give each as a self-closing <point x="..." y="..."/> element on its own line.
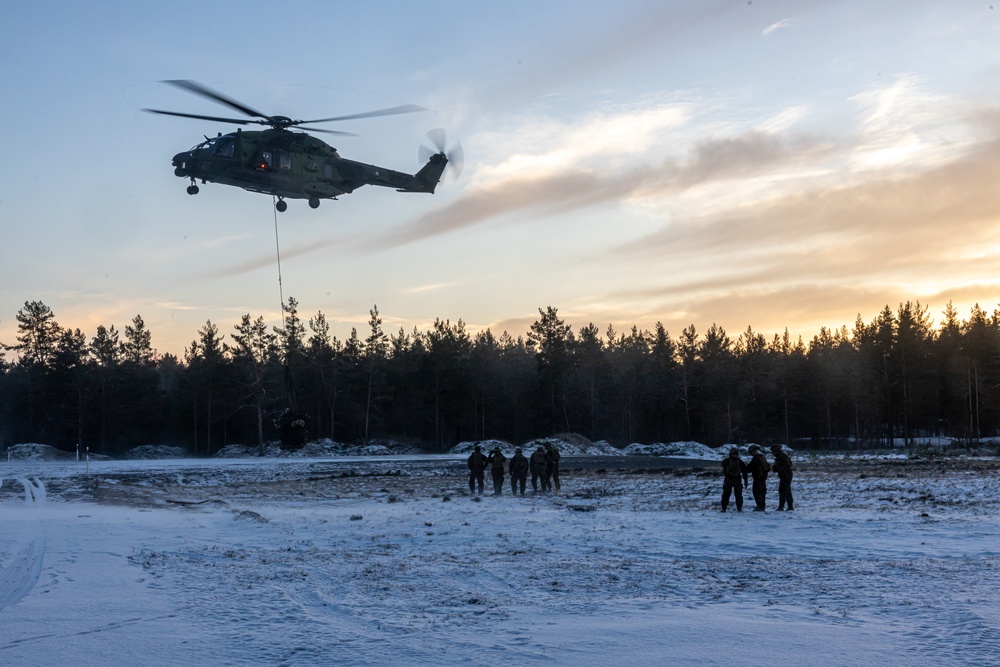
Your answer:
<point x="180" y="162"/>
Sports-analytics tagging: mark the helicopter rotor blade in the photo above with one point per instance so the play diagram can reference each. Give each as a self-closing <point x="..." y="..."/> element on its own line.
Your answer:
<point x="238" y="121"/>
<point x="205" y="91"/>
<point x="392" y="111"/>
<point x="456" y="157"/>
<point x="438" y="137"/>
<point x="317" y="129"/>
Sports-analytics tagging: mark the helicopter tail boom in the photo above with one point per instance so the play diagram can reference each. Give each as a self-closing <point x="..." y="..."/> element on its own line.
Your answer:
<point x="429" y="175"/>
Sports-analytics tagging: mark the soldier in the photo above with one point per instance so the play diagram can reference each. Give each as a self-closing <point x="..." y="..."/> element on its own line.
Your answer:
<point x="477" y="464"/>
<point x="518" y="471"/>
<point x="537" y="464"/>
<point x="735" y="471"/>
<point x="551" y="466"/>
<point x="758" y="467"/>
<point x="783" y="468"/>
<point x="496" y="461"/>
<point x="294" y="429"/>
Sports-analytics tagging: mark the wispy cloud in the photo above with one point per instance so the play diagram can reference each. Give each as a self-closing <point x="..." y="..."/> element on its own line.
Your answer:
<point x="270" y="260"/>
<point x="420" y="289"/>
<point x="779" y="25"/>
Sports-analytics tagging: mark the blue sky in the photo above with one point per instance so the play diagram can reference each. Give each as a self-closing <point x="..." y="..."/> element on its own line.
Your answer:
<point x="772" y="164"/>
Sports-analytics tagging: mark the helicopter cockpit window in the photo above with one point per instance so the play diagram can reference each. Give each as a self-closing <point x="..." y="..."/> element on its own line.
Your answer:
<point x="209" y="146"/>
<point x="226" y="147"/>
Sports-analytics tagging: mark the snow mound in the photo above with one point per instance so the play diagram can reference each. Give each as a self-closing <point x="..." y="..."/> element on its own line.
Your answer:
<point x="466" y="446"/>
<point x="32" y="451"/>
<point x="324" y="448"/>
<point x="722" y="451"/>
<point x="569" y="444"/>
<point x="145" y="452"/>
<point x="576" y="445"/>
<point x="679" y="450"/>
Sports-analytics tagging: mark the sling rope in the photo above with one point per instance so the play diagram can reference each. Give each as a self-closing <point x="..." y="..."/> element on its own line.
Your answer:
<point x="277" y="252"/>
<point x="289" y="383"/>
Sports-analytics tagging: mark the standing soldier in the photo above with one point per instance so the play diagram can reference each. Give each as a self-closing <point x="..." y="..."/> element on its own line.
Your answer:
<point x="537" y="464"/>
<point x="735" y="471"/>
<point x="783" y="468"/>
<point x="758" y="467"/>
<point x="496" y="461"/>
<point x="518" y="471"/>
<point x="477" y="464"/>
<point x="551" y="466"/>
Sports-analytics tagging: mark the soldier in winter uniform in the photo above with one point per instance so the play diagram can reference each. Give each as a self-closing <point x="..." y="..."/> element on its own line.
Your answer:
<point x="758" y="467"/>
<point x="735" y="472"/>
<point x="783" y="468"/>
<point x="518" y="471"/>
<point x="496" y="461"/>
<point x="551" y="466"/>
<point x="537" y="463"/>
<point x="477" y="466"/>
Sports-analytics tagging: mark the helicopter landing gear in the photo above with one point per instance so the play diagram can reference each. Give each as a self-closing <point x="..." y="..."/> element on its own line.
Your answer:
<point x="282" y="206"/>
<point x="313" y="202"/>
<point x="192" y="189"/>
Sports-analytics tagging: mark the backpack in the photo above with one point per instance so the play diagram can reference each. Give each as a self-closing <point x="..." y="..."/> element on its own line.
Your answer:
<point x="733" y="467"/>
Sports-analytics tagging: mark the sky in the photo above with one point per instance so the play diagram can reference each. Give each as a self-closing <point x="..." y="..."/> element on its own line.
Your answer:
<point x="777" y="165"/>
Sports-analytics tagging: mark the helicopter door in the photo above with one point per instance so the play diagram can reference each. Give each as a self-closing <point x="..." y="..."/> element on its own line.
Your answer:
<point x="226" y="147"/>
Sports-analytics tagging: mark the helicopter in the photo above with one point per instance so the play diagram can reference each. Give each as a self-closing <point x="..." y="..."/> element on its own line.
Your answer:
<point x="293" y="165"/>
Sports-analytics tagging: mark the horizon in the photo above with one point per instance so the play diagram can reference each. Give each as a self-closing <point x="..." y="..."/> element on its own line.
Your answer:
<point x="623" y="329"/>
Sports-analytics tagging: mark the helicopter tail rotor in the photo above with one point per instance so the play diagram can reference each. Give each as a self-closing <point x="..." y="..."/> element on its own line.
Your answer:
<point x="455" y="156"/>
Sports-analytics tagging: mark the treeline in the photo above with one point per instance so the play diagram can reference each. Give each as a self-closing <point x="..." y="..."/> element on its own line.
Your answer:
<point x="896" y="377"/>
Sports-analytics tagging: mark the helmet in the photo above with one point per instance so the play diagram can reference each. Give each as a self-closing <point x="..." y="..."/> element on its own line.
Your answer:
<point x="775" y="448"/>
<point x="754" y="448"/>
<point x="517" y="450"/>
<point x="735" y="451"/>
<point x="477" y="448"/>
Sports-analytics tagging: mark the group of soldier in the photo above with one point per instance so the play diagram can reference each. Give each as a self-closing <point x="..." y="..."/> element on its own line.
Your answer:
<point x="543" y="466"/>
<point x="736" y="474"/>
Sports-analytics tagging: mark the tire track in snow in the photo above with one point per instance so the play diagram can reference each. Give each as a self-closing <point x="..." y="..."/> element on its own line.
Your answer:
<point x="20" y="575"/>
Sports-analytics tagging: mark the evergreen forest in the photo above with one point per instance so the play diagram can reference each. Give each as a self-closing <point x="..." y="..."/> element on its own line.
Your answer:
<point x="893" y="379"/>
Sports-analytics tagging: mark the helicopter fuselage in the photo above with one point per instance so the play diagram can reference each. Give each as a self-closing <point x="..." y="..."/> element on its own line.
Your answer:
<point x="292" y="165"/>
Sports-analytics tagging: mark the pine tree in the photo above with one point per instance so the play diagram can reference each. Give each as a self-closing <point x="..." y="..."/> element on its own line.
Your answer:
<point x="255" y="351"/>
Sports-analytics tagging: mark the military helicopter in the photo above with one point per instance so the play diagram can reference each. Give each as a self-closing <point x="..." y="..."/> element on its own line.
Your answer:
<point x="293" y="165"/>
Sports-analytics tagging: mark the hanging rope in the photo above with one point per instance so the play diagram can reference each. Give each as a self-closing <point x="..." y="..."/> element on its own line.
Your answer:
<point x="277" y="251"/>
<point x="289" y="382"/>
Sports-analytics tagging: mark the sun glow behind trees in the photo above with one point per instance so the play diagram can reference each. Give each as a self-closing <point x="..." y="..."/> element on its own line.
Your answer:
<point x="894" y="377"/>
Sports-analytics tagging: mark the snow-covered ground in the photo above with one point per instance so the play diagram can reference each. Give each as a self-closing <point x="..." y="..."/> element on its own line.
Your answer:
<point x="389" y="561"/>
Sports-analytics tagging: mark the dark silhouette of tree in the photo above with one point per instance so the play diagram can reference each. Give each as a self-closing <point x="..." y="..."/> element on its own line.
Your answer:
<point x="255" y="354"/>
<point x="322" y="354"/>
<point x="206" y="364"/>
<point x="889" y="381"/>
<point x="374" y="359"/>
<point x="552" y="340"/>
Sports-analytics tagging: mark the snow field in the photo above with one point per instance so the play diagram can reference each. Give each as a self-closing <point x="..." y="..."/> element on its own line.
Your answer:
<point x="305" y="564"/>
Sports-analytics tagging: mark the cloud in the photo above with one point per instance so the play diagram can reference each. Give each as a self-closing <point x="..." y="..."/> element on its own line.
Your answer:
<point x="420" y="289"/>
<point x="774" y="27"/>
<point x="538" y="189"/>
<point x="269" y="260"/>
